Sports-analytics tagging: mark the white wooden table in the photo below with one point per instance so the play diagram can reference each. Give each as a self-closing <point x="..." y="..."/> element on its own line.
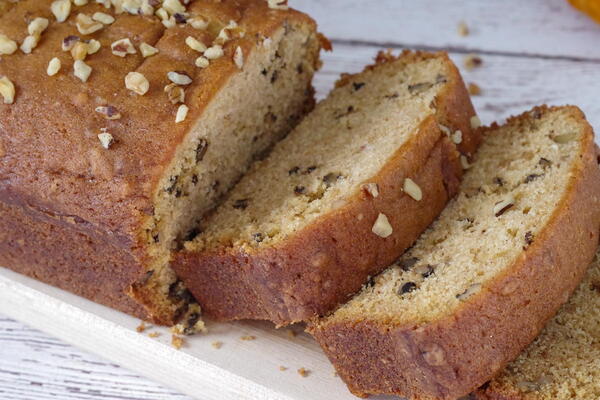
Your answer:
<point x="534" y="51"/>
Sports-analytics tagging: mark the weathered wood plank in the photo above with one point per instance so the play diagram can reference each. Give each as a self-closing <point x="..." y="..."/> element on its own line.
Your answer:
<point x="535" y="27"/>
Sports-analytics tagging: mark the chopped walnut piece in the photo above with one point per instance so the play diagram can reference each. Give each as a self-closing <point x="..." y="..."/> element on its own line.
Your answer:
<point x="175" y="93"/>
<point x="106" y="139"/>
<point x="202" y="62"/>
<point x="457" y="137"/>
<point x="475" y="122"/>
<point x="103" y="18"/>
<point x="182" y="112"/>
<point x="197" y="23"/>
<point x="278" y="4"/>
<point x="37" y="26"/>
<point x="122" y="47"/>
<point x="472" y="61"/>
<point x="147" y="50"/>
<point x="179" y="78"/>
<point x="109" y="112"/>
<point x="79" y="51"/>
<point x="86" y="25"/>
<point x="382" y="227"/>
<point x="238" y="57"/>
<point x="137" y="83"/>
<point x="93" y="46"/>
<point x="412" y="189"/>
<point x="82" y="70"/>
<point x="80" y="2"/>
<point x="29" y="43"/>
<point x="195" y="44"/>
<point x="7" y="90"/>
<point x="53" y="67"/>
<point x="61" y="10"/>
<point x="464" y="161"/>
<point x="372" y="189"/>
<point x="7" y="46"/>
<point x="69" y="42"/>
<point x="173" y="7"/>
<point x="214" y="52"/>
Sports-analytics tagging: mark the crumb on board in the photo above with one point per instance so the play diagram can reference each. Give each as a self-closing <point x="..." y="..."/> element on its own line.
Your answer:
<point x="141" y="327"/>
<point x="472" y="61"/>
<point x="463" y="29"/>
<point x="154" y="334"/>
<point x="217" y="344"/>
<point x="248" y="337"/>
<point x="303" y="372"/>
<point x="474" y="89"/>
<point x="291" y="333"/>
<point x="177" y="341"/>
<point x="282" y="368"/>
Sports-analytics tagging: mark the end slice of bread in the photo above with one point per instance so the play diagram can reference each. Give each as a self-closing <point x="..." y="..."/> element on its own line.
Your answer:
<point x="480" y="284"/>
<point x="328" y="208"/>
<point x="563" y="363"/>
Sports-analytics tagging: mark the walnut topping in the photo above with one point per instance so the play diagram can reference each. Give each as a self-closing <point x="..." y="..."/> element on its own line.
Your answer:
<point x="122" y="47"/>
<point x="53" y="67"/>
<point x="445" y="129"/>
<point x="475" y="122"/>
<point x="82" y="70"/>
<point x="214" y="52"/>
<point x="37" y="26"/>
<point x="457" y="137"/>
<point x="106" y="139"/>
<point x="7" y="90"/>
<point x="197" y="23"/>
<point x="195" y="44"/>
<point x="79" y="51"/>
<point x="277" y="4"/>
<point x="109" y="112"/>
<point x="176" y="94"/>
<point x="463" y="29"/>
<point x="86" y="25"/>
<point x="69" y="42"/>
<point x="202" y="62"/>
<point x="29" y="44"/>
<point x="464" y="161"/>
<point x="503" y="206"/>
<point x="61" y="10"/>
<point x="412" y="189"/>
<point x="80" y="2"/>
<point x="179" y="78"/>
<point x="182" y="112"/>
<point x="382" y="227"/>
<point x="472" y="61"/>
<point x="371" y="189"/>
<point x="103" y="18"/>
<point x="173" y="7"/>
<point x="147" y="50"/>
<point x="137" y="83"/>
<point x="238" y="57"/>
<point x="7" y="46"/>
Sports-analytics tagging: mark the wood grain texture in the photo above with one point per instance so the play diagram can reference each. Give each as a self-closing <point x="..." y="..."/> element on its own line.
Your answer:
<point x="535" y="51"/>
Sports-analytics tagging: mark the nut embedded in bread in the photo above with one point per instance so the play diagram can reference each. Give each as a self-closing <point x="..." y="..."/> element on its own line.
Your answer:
<point x="327" y="208"/>
<point x="478" y="286"/>
<point x="103" y="170"/>
<point x="563" y="363"/>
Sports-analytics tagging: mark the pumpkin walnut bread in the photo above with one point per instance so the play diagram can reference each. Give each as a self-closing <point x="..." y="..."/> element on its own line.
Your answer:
<point x="563" y="363"/>
<point x="480" y="284"/>
<point x="121" y="125"/>
<point x="327" y="208"/>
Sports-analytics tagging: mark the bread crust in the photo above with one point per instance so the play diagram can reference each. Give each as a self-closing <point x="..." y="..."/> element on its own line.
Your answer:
<point x="50" y="156"/>
<point x="453" y="356"/>
<point x="318" y="267"/>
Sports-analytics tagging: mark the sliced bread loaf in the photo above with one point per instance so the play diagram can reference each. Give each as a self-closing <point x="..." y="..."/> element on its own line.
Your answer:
<point x="329" y="206"/>
<point x="479" y="285"/>
<point x="563" y="363"/>
<point x="112" y="150"/>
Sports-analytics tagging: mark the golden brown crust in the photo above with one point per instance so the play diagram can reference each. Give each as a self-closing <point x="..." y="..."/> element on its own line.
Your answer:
<point x="51" y="158"/>
<point x="453" y="356"/>
<point x="315" y="269"/>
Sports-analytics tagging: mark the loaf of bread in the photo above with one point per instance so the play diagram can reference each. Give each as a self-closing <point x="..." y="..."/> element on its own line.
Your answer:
<point x="122" y="123"/>
<point x="480" y="284"/>
<point x="340" y="198"/>
<point x="563" y="363"/>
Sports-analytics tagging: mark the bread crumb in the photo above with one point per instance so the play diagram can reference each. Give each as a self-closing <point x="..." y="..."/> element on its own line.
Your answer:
<point x="217" y="345"/>
<point x="282" y="368"/>
<point x="463" y="29"/>
<point x="248" y="337"/>
<point x="291" y="333"/>
<point x="474" y="89"/>
<point x="177" y="342"/>
<point x="154" y="334"/>
<point x="472" y="61"/>
<point x="303" y="372"/>
<point x="141" y="327"/>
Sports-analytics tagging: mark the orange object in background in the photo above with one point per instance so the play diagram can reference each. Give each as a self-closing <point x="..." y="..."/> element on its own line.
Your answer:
<point x="590" y="7"/>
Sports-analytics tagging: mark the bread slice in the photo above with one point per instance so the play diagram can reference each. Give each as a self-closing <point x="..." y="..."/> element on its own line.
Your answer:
<point x="328" y="207"/>
<point x="563" y="363"/>
<point x="100" y="217"/>
<point x="479" y="285"/>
